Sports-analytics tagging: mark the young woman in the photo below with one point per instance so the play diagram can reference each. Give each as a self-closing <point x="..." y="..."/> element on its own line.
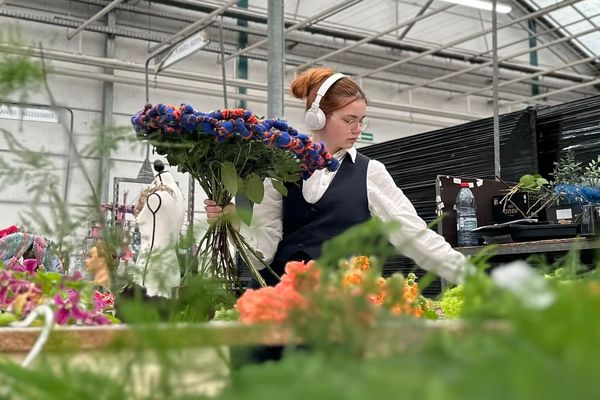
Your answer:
<point x="293" y="227"/>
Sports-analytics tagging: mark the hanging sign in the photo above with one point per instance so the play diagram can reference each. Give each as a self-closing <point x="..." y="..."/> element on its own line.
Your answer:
<point x="38" y="114"/>
<point x="189" y="46"/>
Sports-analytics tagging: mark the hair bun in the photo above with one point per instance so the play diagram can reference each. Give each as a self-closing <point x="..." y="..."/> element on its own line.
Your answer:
<point x="309" y="81"/>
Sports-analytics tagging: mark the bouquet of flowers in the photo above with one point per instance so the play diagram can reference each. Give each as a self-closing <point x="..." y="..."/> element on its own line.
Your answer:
<point x="25" y="285"/>
<point x="230" y="152"/>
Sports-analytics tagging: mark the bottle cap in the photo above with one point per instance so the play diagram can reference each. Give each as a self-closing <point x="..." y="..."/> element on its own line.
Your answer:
<point x="464" y="184"/>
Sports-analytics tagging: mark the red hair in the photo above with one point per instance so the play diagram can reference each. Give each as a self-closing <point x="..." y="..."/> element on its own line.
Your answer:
<point x="342" y="92"/>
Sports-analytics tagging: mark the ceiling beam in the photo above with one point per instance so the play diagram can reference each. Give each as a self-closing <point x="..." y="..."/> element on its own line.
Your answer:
<point x="95" y="17"/>
<point x="503" y="58"/>
<point x="327" y="30"/>
<point x="552" y="93"/>
<point x="147" y="36"/>
<point x="372" y="37"/>
<point x="191" y="76"/>
<point x="530" y="77"/>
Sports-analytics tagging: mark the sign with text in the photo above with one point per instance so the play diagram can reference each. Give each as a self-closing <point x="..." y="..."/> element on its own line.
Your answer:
<point x="366" y="137"/>
<point x="189" y="46"/>
<point x="38" y="114"/>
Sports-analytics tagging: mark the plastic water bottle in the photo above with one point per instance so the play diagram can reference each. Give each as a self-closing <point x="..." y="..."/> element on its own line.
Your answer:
<point x="466" y="217"/>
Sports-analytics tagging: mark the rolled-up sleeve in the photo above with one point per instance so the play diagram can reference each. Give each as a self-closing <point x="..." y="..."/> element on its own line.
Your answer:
<point x="413" y="239"/>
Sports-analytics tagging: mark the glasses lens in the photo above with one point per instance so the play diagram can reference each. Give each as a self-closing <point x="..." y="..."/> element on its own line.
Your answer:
<point x="353" y="124"/>
<point x="364" y="124"/>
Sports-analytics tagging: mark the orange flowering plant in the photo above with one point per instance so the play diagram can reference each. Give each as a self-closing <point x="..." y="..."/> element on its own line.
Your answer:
<point x="304" y="289"/>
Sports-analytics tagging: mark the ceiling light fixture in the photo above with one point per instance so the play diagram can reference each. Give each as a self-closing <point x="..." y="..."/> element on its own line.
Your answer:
<point x="482" y="5"/>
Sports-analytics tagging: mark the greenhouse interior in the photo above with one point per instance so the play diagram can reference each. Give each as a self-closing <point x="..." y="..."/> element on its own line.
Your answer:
<point x="260" y="199"/>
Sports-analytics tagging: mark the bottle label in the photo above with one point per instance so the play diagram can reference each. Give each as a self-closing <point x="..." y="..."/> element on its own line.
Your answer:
<point x="465" y="226"/>
<point x="467" y="223"/>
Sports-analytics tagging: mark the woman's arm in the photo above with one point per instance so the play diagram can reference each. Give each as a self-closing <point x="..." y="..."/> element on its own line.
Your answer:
<point x="413" y="239"/>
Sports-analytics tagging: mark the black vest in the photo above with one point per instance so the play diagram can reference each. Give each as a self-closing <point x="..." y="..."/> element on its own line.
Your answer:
<point x="306" y="226"/>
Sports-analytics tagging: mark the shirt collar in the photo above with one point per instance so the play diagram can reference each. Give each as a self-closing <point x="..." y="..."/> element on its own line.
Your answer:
<point x="341" y="153"/>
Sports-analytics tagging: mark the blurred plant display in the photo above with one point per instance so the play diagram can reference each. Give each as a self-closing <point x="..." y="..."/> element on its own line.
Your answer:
<point x="25" y="285"/>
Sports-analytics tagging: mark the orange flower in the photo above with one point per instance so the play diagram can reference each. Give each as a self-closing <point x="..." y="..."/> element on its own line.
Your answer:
<point x="233" y="113"/>
<point x="262" y="305"/>
<point x="375" y="299"/>
<point x="301" y="276"/>
<point x="274" y="304"/>
<point x="411" y="292"/>
<point x="352" y="278"/>
<point x="361" y="262"/>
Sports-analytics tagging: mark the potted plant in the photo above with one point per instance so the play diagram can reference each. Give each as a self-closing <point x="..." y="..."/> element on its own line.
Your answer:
<point x="574" y="187"/>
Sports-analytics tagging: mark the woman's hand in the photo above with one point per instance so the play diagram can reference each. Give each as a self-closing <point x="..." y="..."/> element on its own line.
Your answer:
<point x="214" y="212"/>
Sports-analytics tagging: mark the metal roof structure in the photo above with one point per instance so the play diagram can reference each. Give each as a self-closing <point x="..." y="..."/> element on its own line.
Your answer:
<point x="574" y="19"/>
<point x="547" y="49"/>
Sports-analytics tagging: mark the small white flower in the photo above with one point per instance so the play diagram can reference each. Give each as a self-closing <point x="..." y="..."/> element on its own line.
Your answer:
<point x="524" y="282"/>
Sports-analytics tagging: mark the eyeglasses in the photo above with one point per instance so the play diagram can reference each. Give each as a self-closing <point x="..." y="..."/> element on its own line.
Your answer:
<point x="352" y="124"/>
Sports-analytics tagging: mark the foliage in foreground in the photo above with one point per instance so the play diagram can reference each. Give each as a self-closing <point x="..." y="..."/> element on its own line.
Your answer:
<point x="548" y="353"/>
<point x="507" y="345"/>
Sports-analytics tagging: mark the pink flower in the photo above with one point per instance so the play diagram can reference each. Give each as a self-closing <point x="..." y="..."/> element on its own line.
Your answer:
<point x="29" y="265"/>
<point x="96" y="319"/>
<point x="103" y="301"/>
<point x="69" y="308"/>
<point x="11" y="287"/>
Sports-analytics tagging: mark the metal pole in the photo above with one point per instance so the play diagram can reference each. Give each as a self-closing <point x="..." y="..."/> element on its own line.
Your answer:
<point x="275" y="64"/>
<point x="242" y="62"/>
<point x="223" y="71"/>
<point x="419" y="13"/>
<point x="100" y="13"/>
<point x="69" y="158"/>
<point x="495" y="74"/>
<point x="107" y="113"/>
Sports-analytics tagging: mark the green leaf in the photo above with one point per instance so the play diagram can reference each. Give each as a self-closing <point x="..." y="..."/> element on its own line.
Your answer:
<point x="229" y="177"/>
<point x="245" y="214"/>
<point x="541" y="181"/>
<point x="241" y="185"/>
<point x="280" y="187"/>
<point x="527" y="180"/>
<point x="254" y="189"/>
<point x="6" y="318"/>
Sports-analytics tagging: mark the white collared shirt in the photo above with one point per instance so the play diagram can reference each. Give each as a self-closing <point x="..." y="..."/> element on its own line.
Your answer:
<point x="386" y="201"/>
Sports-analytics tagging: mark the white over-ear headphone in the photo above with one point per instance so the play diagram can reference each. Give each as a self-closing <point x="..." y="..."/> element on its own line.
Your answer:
<point x="315" y="117"/>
